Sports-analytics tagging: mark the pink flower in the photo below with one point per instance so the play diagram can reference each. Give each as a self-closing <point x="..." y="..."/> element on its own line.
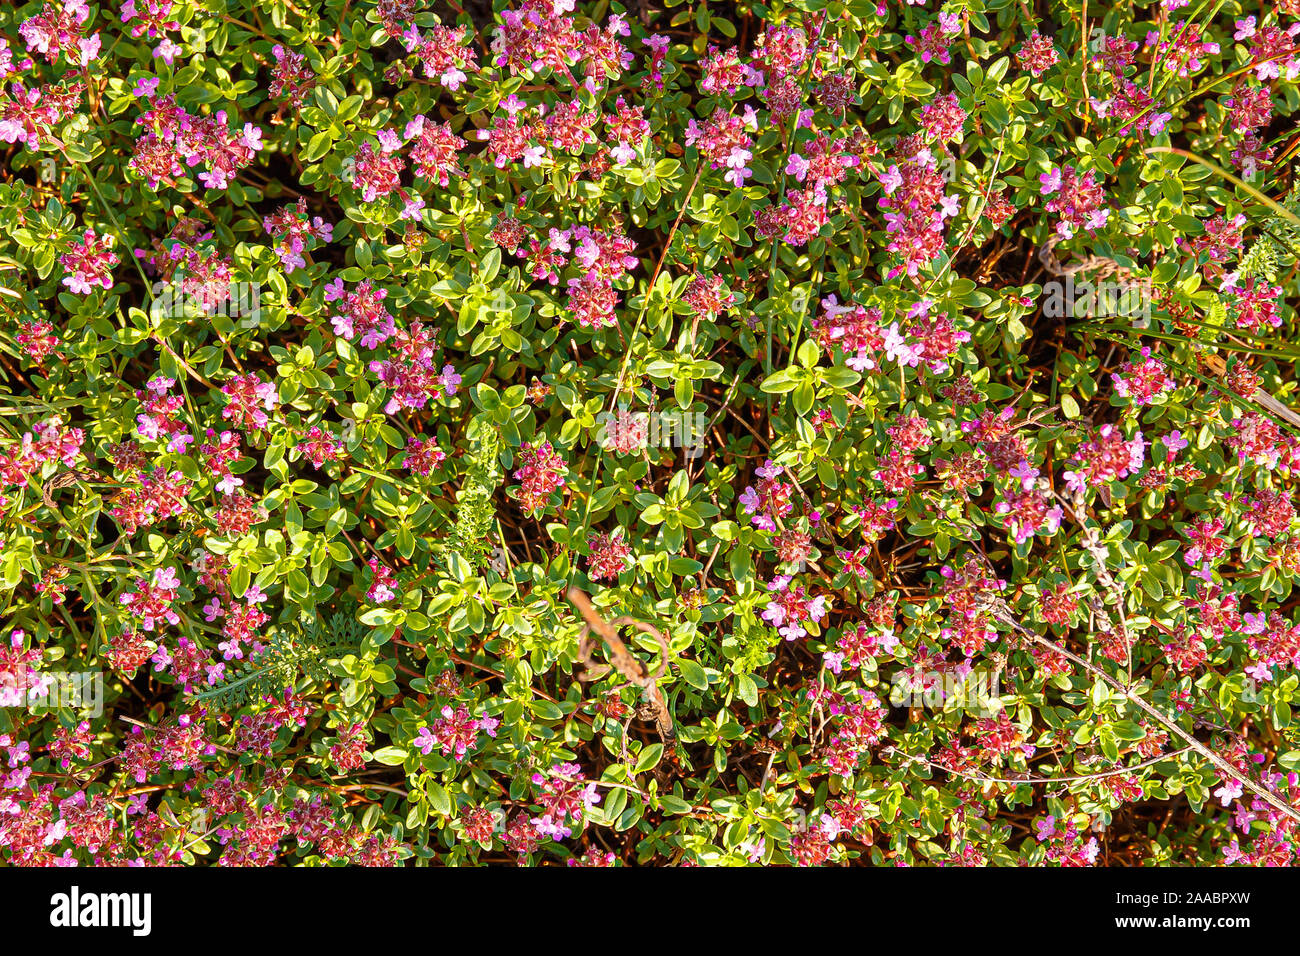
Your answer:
<point x="381" y="586"/>
<point x="425" y="741"/>
<point x="1230" y="791"/>
<point x="1260" y="671"/>
<point x="89" y="262"/>
<point x="891" y="179"/>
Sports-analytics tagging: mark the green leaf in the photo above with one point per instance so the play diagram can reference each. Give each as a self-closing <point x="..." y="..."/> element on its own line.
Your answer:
<point x="649" y="757"/>
<point x="780" y="382"/>
<point x="673" y="804"/>
<point x="804" y="397"/>
<point x="1128" y="730"/>
<point x="390" y="756"/>
<point x="693" y="673"/>
<point x="439" y="798"/>
<point x="317" y="147"/>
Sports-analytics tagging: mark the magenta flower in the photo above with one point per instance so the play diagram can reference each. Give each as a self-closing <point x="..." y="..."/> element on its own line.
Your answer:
<point x="1228" y="792"/>
<point x="89" y="262"/>
<point x="425" y="741"/>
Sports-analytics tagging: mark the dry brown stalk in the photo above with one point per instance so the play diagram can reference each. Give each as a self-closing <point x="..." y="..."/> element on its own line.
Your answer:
<point x="622" y="659"/>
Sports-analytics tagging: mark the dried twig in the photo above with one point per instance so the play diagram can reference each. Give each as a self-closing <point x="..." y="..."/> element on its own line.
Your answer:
<point x="1259" y="396"/>
<point x="1003" y="612"/>
<point x="623" y="660"/>
<point x="1105" y="268"/>
<point x="1028" y="779"/>
<point x="1092" y="543"/>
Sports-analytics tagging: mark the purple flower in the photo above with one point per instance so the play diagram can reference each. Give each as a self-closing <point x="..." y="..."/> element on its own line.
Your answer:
<point x="891" y="179"/>
<point x="737" y="175"/>
<point x="754" y="850"/>
<point x="411" y="210"/>
<point x="897" y="349"/>
<point x="165" y="578"/>
<point x="1260" y="671"/>
<point x="533" y="156"/>
<point x="1230" y="791"/>
<point x="1137" y="450"/>
<point x="920" y="308"/>
<point x="425" y="741"/>
<point x="168" y="50"/>
<point x="1026" y="472"/>
<point x="1255" y="623"/>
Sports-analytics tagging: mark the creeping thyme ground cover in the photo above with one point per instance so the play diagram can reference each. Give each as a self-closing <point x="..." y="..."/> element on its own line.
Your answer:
<point x="669" y="433"/>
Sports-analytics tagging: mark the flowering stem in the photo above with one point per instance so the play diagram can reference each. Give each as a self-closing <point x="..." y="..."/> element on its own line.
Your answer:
<point x="785" y="162"/>
<point x="668" y="243"/>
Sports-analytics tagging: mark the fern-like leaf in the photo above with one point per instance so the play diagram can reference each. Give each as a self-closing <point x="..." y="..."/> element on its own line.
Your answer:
<point x="298" y="648"/>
